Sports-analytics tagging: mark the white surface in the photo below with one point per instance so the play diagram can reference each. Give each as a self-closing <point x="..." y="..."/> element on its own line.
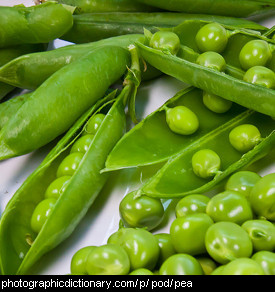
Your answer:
<point x="103" y="217"/>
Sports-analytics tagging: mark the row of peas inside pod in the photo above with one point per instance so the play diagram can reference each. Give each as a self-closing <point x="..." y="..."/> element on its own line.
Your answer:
<point x="65" y="171"/>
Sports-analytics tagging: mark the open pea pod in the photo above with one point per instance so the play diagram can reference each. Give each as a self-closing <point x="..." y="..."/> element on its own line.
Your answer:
<point x="91" y="27"/>
<point x="235" y="8"/>
<point x="152" y="141"/>
<point x="177" y="178"/>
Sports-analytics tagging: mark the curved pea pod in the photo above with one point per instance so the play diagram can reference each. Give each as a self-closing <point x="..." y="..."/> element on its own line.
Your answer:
<point x="153" y="142"/>
<point x="61" y="100"/>
<point x="177" y="179"/>
<point x="90" y="27"/>
<point x="34" y="24"/>
<point x="235" y="8"/>
<point x="31" y="70"/>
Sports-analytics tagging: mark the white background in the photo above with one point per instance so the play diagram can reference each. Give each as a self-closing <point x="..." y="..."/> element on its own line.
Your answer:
<point x="103" y="217"/>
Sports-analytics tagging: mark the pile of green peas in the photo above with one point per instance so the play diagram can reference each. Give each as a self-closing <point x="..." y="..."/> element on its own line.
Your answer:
<point x="65" y="171"/>
<point x="230" y="233"/>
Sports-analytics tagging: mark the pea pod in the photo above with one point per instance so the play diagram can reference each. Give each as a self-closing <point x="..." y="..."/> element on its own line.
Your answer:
<point x="61" y="99"/>
<point x="235" y="8"/>
<point x="30" y="25"/>
<point x="91" y="27"/>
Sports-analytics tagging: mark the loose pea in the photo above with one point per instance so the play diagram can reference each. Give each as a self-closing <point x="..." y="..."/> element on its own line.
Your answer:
<point x="266" y="259"/>
<point x="182" y="120"/>
<point x="218" y="270"/>
<point x="79" y="259"/>
<point x="242" y="182"/>
<point x="261" y="76"/>
<point x="109" y="259"/>
<point x="82" y="144"/>
<point x="242" y="266"/>
<point x="165" y="246"/>
<point x="206" y="163"/>
<point x="191" y="204"/>
<point x="139" y="272"/>
<point x="69" y="164"/>
<point x="244" y="137"/>
<point x="212" y="60"/>
<point x="181" y="264"/>
<point x="41" y="213"/>
<point x="255" y="53"/>
<point x="56" y="188"/>
<point x="207" y="264"/>
<point x="94" y="123"/>
<point x="215" y="103"/>
<point x="212" y="37"/>
<point x="165" y="40"/>
<point x="141" y="212"/>
<point x="229" y="206"/>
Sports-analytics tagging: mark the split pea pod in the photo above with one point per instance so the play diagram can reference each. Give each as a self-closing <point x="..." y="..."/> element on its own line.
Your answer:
<point x="61" y="99"/>
<point x="235" y="8"/>
<point x="35" y="24"/>
<point x="91" y="27"/>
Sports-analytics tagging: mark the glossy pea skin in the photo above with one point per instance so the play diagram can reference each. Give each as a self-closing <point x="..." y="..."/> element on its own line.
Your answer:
<point x="261" y="76"/>
<point x="244" y="137"/>
<point x="56" y="188"/>
<point x="165" y="41"/>
<point x="181" y="264"/>
<point x="266" y="259"/>
<point x="166" y="247"/>
<point x="182" y="120"/>
<point x="255" y="53"/>
<point x="94" y="123"/>
<point x="141" y="211"/>
<point x="82" y="144"/>
<point x="207" y="264"/>
<point x="188" y="233"/>
<point x="212" y="60"/>
<point x="218" y="270"/>
<point x="69" y="164"/>
<point x="216" y="103"/>
<point x="109" y="259"/>
<point x="242" y="266"/>
<point x="140" y="272"/>
<point x="41" y="213"/>
<point x="191" y="204"/>
<point x="206" y="163"/>
<point x="212" y="37"/>
<point x="261" y="233"/>
<point x="226" y="241"/>
<point x="79" y="259"/>
<point x="229" y="206"/>
<point x="242" y="182"/>
<point x="262" y="197"/>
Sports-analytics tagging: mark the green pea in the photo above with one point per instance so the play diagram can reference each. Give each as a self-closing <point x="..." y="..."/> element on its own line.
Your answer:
<point x="229" y="206"/>
<point x="207" y="264"/>
<point x="182" y="120"/>
<point x="266" y="259"/>
<point x="94" y="123"/>
<point x="188" y="233"/>
<point x="242" y="182"/>
<point x="261" y="233"/>
<point x="69" y="164"/>
<point x="212" y="60"/>
<point x="191" y="204"/>
<point x="218" y="270"/>
<point x="79" y="259"/>
<point x="41" y="213"/>
<point x="140" y="272"/>
<point x="82" y="144"/>
<point x="206" y="163"/>
<point x="244" y="137"/>
<point x="165" y="246"/>
<point x="255" y="53"/>
<point x="215" y="103"/>
<point x="141" y="211"/>
<point x="261" y="76"/>
<point x="212" y="37"/>
<point x="242" y="266"/>
<point x="262" y="197"/>
<point x="165" y="41"/>
<point x="57" y="187"/>
<point x="181" y="264"/>
<point x="226" y="241"/>
<point x="109" y="259"/>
